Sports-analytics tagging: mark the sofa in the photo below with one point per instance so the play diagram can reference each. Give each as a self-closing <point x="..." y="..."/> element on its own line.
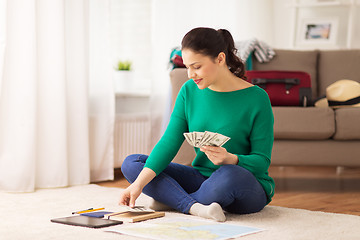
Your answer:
<point x="310" y="136"/>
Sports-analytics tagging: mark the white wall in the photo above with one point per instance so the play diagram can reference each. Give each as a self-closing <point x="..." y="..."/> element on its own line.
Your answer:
<point x="257" y="20"/>
<point x="357" y="27"/>
<point x="285" y="25"/>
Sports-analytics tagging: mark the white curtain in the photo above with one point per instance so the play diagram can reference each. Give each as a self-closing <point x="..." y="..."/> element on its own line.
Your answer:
<point x="101" y="90"/>
<point x="56" y="122"/>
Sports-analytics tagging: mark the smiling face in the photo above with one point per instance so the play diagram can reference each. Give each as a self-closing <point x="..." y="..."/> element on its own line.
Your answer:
<point x="203" y="69"/>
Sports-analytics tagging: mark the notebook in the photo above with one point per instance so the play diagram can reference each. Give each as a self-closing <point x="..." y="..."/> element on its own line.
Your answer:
<point x="97" y="214"/>
<point x="136" y="214"/>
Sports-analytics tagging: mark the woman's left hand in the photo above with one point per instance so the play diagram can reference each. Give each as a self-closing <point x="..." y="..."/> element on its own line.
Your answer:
<point x="219" y="155"/>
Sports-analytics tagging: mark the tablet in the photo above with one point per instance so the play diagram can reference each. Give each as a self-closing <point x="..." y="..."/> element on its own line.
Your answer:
<point x="85" y="221"/>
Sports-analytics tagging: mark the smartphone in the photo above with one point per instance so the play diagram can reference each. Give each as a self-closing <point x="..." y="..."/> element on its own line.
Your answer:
<point x="86" y="221"/>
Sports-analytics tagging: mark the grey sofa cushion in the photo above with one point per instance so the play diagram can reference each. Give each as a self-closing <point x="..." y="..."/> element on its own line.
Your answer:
<point x="316" y="153"/>
<point x="299" y="123"/>
<point x="290" y="60"/>
<point x="347" y="123"/>
<point x="336" y="65"/>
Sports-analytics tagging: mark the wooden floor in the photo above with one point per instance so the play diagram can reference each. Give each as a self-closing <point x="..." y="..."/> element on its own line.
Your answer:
<point x="314" y="188"/>
<point x="317" y="189"/>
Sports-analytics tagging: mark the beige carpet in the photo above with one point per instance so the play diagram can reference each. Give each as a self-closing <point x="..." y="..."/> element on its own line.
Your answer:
<point x="27" y="216"/>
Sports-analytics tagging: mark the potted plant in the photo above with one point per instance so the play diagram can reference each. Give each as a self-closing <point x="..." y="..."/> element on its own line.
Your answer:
<point x="123" y="66"/>
<point x="123" y="76"/>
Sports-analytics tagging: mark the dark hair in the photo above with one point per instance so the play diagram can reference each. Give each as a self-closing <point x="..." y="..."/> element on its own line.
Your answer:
<point x="211" y="42"/>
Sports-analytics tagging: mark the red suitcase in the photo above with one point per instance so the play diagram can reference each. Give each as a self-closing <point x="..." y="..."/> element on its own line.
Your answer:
<point x="285" y="88"/>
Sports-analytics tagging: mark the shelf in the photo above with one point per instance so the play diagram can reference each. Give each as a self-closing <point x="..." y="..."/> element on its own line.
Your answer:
<point x="134" y="93"/>
<point x="324" y="4"/>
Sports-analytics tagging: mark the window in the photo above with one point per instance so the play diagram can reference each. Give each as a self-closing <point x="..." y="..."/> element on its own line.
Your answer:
<point x="130" y="37"/>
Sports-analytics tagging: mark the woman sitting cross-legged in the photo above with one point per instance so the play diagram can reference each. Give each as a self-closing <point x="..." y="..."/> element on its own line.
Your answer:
<point x="217" y="98"/>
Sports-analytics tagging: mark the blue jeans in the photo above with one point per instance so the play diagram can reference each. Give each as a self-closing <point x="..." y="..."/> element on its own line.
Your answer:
<point x="180" y="186"/>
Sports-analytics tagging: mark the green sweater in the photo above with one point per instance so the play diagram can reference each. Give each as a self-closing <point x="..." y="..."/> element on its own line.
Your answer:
<point x="244" y="115"/>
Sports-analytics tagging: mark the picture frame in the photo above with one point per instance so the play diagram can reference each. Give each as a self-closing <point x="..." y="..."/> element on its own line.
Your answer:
<point x="317" y="32"/>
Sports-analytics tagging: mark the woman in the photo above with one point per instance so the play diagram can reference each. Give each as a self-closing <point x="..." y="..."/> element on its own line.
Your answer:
<point x="233" y="177"/>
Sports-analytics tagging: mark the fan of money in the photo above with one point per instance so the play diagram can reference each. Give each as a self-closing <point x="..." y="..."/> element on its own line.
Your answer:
<point x="199" y="139"/>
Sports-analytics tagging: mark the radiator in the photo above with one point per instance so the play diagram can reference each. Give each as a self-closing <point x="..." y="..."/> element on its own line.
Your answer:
<point x="132" y="135"/>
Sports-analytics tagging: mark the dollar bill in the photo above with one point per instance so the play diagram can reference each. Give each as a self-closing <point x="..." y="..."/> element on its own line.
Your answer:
<point x="218" y="140"/>
<point x="188" y="137"/>
<point x="198" y="136"/>
<point x="199" y="139"/>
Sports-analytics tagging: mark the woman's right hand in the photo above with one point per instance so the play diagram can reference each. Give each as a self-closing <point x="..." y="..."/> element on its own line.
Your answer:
<point x="129" y="195"/>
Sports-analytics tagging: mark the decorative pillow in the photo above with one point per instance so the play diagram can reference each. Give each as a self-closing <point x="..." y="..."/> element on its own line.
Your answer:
<point x="176" y="58"/>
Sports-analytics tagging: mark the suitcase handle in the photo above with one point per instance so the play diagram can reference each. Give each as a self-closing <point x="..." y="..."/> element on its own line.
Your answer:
<point x="289" y="82"/>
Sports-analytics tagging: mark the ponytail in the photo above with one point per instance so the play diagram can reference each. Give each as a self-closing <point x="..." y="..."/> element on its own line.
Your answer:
<point x="236" y="66"/>
<point x="211" y="42"/>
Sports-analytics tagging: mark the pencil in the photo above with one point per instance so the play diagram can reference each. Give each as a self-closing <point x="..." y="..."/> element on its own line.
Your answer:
<point x="91" y="210"/>
<point x="82" y="211"/>
<point x="88" y="210"/>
